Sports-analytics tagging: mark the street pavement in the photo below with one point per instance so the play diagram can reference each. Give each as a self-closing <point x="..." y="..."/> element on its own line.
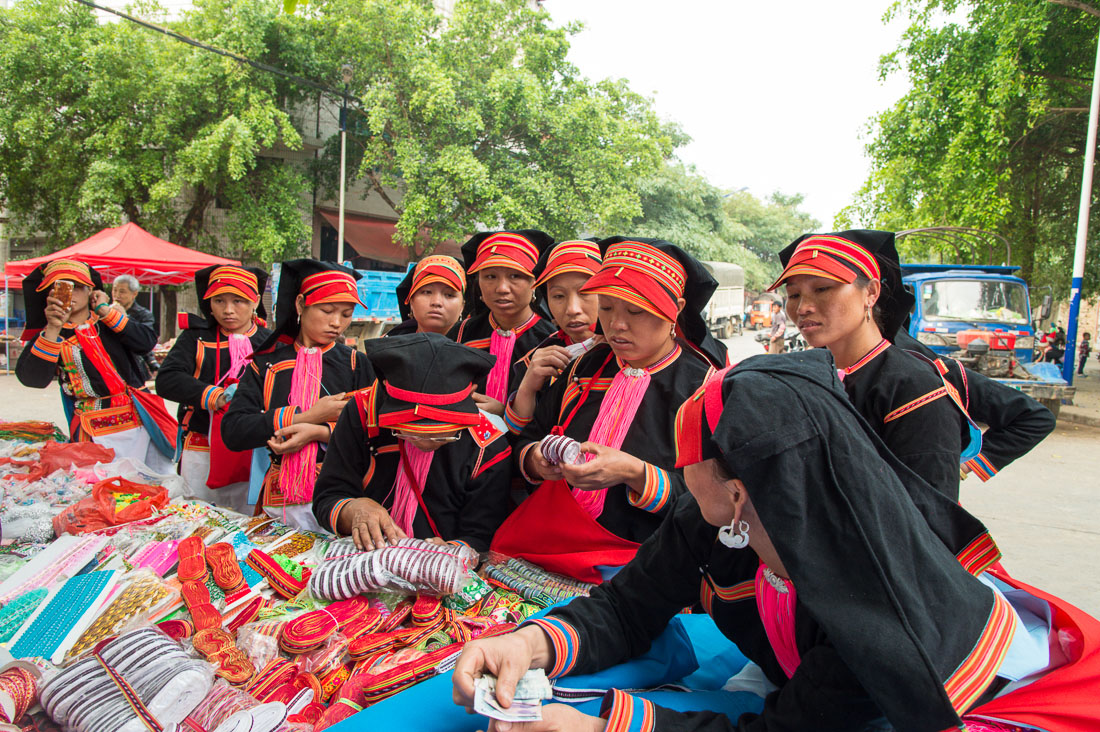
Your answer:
<point x="1041" y="510"/>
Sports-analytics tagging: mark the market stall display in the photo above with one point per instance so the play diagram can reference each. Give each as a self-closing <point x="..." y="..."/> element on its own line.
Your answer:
<point x="128" y="608"/>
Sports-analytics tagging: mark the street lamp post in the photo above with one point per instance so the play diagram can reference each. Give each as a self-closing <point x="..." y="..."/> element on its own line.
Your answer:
<point x="346" y="72"/>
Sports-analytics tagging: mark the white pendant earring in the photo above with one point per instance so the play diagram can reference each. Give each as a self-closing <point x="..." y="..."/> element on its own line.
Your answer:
<point x="740" y="540"/>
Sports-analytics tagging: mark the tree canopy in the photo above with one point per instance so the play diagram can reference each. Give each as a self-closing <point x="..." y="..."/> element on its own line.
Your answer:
<point x="991" y="134"/>
<point x="681" y="206"/>
<point x="105" y="121"/>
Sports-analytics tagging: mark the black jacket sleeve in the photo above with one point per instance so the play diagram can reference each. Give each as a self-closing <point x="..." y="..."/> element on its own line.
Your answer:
<point x="346" y="462"/>
<point x="34" y="370"/>
<point x="176" y="380"/>
<point x="487" y="501"/>
<point x="542" y="421"/>
<point x="134" y="335"/>
<point x="246" y="424"/>
<point x="1017" y="423"/>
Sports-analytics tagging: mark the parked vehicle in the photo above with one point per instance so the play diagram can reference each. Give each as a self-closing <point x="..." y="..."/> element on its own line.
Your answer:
<point x="793" y="337"/>
<point x="981" y="316"/>
<point x="761" y="314"/>
<point x="723" y="312"/>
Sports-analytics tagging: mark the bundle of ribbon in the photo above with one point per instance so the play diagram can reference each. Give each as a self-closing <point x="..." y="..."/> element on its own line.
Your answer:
<point x="409" y="565"/>
<point x="285" y="576"/>
<point x="216" y="645"/>
<point x="18" y="691"/>
<point x="307" y="632"/>
<point x="226" y="708"/>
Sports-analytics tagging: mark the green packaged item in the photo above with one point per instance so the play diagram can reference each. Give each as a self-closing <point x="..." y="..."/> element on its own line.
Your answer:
<point x="468" y="596"/>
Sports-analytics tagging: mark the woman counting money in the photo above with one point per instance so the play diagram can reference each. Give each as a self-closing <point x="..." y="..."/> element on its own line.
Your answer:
<point x="412" y="455"/>
<point x="504" y="321"/>
<point x="293" y="392"/>
<point x="561" y="273"/>
<point x="201" y="373"/>
<point x="615" y="400"/>
<point x="844" y="292"/>
<point x="848" y="580"/>
<point x="95" y="352"/>
<point x="430" y="298"/>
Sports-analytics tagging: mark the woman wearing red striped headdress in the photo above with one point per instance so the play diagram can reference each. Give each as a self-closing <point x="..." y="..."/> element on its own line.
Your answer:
<point x="504" y="319"/>
<point x="561" y="273"/>
<point x="430" y="298"/>
<point x="298" y="383"/>
<point x="844" y="292"/>
<point x="95" y="351"/>
<point x="615" y="400"/>
<point x="201" y="373"/>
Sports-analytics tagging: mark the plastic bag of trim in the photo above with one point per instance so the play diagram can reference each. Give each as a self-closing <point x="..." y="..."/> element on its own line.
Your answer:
<point x="408" y="565"/>
<point x="90" y="695"/>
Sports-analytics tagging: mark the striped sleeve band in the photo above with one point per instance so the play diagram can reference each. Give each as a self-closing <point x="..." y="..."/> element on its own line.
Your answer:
<point x="626" y="713"/>
<point x="334" y="513"/>
<point x="210" y="396"/>
<point x="115" y="319"/>
<point x="523" y="461"/>
<point x="515" y="422"/>
<point x="283" y="417"/>
<point x="655" y="493"/>
<point x="564" y="640"/>
<point x="45" y="349"/>
<point x="980" y="466"/>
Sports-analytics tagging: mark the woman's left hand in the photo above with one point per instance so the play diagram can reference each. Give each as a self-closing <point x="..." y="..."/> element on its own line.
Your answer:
<point x="488" y="404"/>
<point x="555" y="718"/>
<point x="608" y="467"/>
<point x="293" y="438"/>
<point x="98" y="297"/>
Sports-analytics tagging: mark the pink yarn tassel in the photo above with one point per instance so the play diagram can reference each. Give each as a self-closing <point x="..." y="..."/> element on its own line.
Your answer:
<point x="240" y="350"/>
<point x="299" y="469"/>
<point x="777" y="615"/>
<point x="617" y="411"/>
<point x="404" y="499"/>
<point x="501" y="345"/>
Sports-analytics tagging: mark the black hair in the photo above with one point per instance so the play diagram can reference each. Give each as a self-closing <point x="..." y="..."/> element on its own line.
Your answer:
<point x="722" y="469"/>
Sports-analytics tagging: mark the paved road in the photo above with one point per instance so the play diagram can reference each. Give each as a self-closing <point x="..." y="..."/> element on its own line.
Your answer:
<point x="1042" y="509"/>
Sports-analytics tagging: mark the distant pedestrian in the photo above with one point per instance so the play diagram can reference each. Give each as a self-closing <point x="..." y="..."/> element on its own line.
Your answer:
<point x="124" y="292"/>
<point x="1085" y="348"/>
<point x="779" y="329"/>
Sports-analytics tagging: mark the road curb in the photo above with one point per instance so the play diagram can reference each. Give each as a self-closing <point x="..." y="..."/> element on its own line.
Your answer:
<point x="1069" y="414"/>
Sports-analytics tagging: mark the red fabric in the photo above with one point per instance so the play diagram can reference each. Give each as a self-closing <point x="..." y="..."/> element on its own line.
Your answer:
<point x="56" y="456"/>
<point x="226" y="466"/>
<point x="130" y="250"/>
<point x="1065" y="700"/>
<point x="165" y="423"/>
<point x="553" y="531"/>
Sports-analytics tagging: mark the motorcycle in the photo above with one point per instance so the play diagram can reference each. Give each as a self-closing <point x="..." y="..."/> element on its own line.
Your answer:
<point x="792" y="336"/>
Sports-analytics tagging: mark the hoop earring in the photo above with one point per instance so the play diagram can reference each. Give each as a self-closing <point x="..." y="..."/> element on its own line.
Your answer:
<point x="740" y="540"/>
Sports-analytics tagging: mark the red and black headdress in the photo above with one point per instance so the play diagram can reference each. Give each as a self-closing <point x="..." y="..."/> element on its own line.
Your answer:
<point x="37" y="285"/>
<point x="582" y="256"/>
<point x="246" y="282"/>
<point x="518" y="249"/>
<point x="436" y="268"/>
<point x="844" y="256"/>
<point x="318" y="282"/>
<point x="425" y="382"/>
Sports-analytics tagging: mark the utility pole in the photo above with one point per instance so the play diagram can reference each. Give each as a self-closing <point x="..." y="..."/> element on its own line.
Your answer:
<point x="1082" y="226"/>
<point x="346" y="72"/>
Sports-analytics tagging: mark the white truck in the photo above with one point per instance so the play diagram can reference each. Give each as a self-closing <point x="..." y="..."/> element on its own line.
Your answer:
<point x="727" y="305"/>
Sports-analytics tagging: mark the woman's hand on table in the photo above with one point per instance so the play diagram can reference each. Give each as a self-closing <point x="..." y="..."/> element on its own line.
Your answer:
<point x="369" y="524"/>
<point x="606" y="468"/>
<point x="508" y="657"/>
<point x="293" y="438"/>
<point x="555" y="718"/>
<point x="536" y="466"/>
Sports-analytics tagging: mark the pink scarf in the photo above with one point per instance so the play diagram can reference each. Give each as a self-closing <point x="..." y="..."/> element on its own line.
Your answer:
<point x="777" y="614"/>
<point x="299" y="469"/>
<point x="616" y="416"/>
<point x="501" y="344"/>
<point x="240" y="350"/>
<point x="404" y="493"/>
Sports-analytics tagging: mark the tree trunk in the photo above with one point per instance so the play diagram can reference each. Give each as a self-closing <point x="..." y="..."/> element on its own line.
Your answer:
<point x="170" y="309"/>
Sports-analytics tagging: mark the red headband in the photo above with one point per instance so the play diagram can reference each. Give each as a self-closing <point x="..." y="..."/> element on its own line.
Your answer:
<point x="330" y="286"/>
<point x="643" y="275"/>
<point x="427" y="406"/>
<point x="233" y="280"/>
<point x="582" y="257"/>
<point x="705" y="403"/>
<point x="65" y="269"/>
<point x="832" y="257"/>
<point x="506" y="250"/>
<point x="438" y="268"/>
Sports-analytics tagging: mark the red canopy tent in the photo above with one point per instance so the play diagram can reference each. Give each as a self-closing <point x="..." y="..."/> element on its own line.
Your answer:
<point x="130" y="250"/>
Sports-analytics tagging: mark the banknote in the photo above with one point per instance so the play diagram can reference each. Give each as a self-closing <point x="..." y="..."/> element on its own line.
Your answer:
<point x="531" y="691"/>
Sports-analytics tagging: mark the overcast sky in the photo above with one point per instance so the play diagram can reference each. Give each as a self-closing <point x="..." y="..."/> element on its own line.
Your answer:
<point x="775" y="95"/>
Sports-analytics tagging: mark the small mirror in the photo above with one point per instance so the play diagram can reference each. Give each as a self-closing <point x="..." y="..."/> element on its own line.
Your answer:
<point x="1044" y="312"/>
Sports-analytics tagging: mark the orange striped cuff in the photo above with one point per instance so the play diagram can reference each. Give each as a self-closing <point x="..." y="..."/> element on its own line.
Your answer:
<point x="512" y="418"/>
<point x="45" y="349"/>
<point x="980" y="466"/>
<point x="334" y="513"/>
<point x="283" y="417"/>
<point x="626" y="713"/>
<point x="210" y="396"/>
<point x="564" y="640"/>
<point x="523" y="460"/>
<point x="115" y="319"/>
<point x="655" y="493"/>
<point x="977" y="671"/>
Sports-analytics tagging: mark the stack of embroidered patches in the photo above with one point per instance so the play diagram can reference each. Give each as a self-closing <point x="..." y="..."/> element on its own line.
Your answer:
<point x="217" y="647"/>
<point x="192" y="575"/>
<point x="227" y="573"/>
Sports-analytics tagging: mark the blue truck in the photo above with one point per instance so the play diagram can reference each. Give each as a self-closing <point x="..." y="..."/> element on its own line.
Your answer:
<point x="980" y="315"/>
